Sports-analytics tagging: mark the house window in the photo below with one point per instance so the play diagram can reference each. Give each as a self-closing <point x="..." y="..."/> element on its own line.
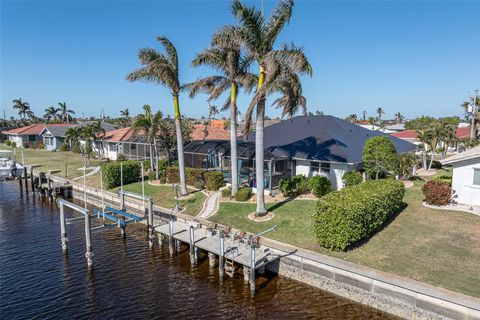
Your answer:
<point x="112" y="147"/>
<point x="48" y="141"/>
<point x="133" y="146"/>
<point x="314" y="167"/>
<point x="325" y="167"/>
<point x="476" y="177"/>
<point x="32" y="137"/>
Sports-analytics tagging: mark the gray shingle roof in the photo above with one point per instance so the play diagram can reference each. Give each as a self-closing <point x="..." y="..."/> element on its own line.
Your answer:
<point x="322" y="138"/>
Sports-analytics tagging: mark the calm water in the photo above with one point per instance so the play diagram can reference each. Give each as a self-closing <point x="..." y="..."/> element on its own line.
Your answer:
<point x="129" y="281"/>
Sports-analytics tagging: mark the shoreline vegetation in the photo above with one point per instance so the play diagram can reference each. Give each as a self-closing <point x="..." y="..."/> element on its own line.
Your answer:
<point x="439" y="247"/>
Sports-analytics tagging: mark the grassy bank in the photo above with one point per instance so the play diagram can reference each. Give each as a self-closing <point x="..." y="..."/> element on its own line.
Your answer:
<point x="52" y="160"/>
<point x="434" y="246"/>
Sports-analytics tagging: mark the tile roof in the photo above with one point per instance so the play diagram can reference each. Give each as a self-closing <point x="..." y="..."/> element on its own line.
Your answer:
<point x="463" y="133"/>
<point x="33" y="129"/>
<point x="214" y="133"/>
<point x="118" y="135"/>
<point x="406" y="134"/>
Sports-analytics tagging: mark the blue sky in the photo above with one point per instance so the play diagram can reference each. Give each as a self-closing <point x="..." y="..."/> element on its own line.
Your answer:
<point x="415" y="57"/>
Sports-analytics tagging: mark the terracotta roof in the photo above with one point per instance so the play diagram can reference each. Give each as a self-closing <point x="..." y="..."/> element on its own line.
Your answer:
<point x="33" y="129"/>
<point x="218" y="123"/>
<point x="463" y="132"/>
<point x="406" y="134"/>
<point x="118" y="135"/>
<point x="214" y="133"/>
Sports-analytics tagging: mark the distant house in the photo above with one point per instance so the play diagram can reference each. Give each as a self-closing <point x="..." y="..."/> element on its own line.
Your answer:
<point x="466" y="176"/>
<point x="28" y="134"/>
<point x="53" y="136"/>
<point x="397" y="127"/>
<point x="306" y="145"/>
<point x="412" y="136"/>
<point x="209" y="132"/>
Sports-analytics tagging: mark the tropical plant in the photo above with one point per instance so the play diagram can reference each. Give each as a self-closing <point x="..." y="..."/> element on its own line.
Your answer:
<point x="65" y="114"/>
<point x="380" y="112"/>
<point x="472" y="112"/>
<point x="51" y="113"/>
<point x="126" y="119"/>
<point x="399" y="118"/>
<point x="23" y="108"/>
<point x="406" y="162"/>
<point x="352" y="118"/>
<point x="73" y="136"/>
<point x="90" y="132"/>
<point x="380" y="156"/>
<point x="258" y="37"/>
<point x="232" y="66"/>
<point x="352" y="178"/>
<point x="163" y="69"/>
<point x="320" y="186"/>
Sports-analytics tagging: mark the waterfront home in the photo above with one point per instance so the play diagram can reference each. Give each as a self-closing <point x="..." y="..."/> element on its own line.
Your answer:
<point x="306" y="145"/>
<point x="53" y="136"/>
<point x="412" y="136"/>
<point x="28" y="135"/>
<point x="466" y="176"/>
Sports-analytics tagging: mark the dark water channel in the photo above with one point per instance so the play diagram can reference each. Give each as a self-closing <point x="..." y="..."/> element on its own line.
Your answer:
<point x="129" y="281"/>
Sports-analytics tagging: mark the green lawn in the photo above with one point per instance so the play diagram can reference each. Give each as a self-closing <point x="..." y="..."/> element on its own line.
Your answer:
<point x="52" y="160"/>
<point x="165" y="196"/>
<point x="434" y="246"/>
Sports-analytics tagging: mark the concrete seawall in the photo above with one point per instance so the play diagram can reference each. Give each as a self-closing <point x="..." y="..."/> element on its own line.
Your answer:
<point x="393" y="294"/>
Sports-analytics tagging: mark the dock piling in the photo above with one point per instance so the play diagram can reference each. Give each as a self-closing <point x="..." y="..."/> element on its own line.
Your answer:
<point x="193" y="252"/>
<point x="25" y="176"/>
<point x="170" y="236"/>
<point x="150" y="224"/>
<point x="63" y="231"/>
<point x="252" y="268"/>
<point x="88" y="242"/>
<point x="221" y="266"/>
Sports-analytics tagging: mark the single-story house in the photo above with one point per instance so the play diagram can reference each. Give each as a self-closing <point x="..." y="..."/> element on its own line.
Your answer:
<point x="27" y="134"/>
<point x="54" y="135"/>
<point x="466" y="176"/>
<point x="412" y="136"/>
<point x="307" y="145"/>
<point x="397" y="127"/>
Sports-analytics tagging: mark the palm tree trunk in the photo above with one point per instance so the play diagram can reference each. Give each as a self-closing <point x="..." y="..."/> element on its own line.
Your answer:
<point x="151" y="157"/>
<point x="472" y="126"/>
<point x="181" y="158"/>
<point x="233" y="139"/>
<point x="259" y="159"/>
<point x="156" y="158"/>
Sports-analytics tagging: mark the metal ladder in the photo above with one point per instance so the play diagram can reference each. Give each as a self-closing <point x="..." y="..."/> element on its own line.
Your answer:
<point x="229" y="264"/>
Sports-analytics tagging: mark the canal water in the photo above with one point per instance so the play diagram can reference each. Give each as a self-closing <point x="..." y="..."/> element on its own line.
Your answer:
<point x="129" y="281"/>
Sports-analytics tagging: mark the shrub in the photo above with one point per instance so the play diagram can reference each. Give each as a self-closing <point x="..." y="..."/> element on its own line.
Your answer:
<point x="344" y="217"/>
<point x="301" y="184"/>
<point x="352" y="178"/>
<point x="440" y="150"/>
<point x="13" y="144"/>
<point x="8" y="142"/>
<point x="199" y="185"/>
<point x="243" y="194"/>
<point x="192" y="175"/>
<point x="437" y="193"/>
<point x="436" y="164"/>
<point x="287" y="187"/>
<point x="111" y="173"/>
<point x="26" y="145"/>
<point x="75" y="149"/>
<point x="380" y="156"/>
<point x="292" y="187"/>
<point x="320" y="186"/>
<point x="444" y="178"/>
<point x="146" y="164"/>
<point x="162" y="180"/>
<point x="121" y="157"/>
<point x="214" y="180"/>
<point x="162" y="167"/>
<point x="227" y="192"/>
<point x="151" y="175"/>
<point x="64" y="147"/>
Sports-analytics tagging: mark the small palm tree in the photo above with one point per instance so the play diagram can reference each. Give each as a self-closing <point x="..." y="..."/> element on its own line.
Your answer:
<point x="163" y="69"/>
<point x="22" y="106"/>
<point x="380" y="112"/>
<point x="65" y="114"/>
<point x="90" y="133"/>
<point x="399" y="117"/>
<point x="472" y="111"/>
<point x="226" y="57"/>
<point x="258" y="37"/>
<point x="73" y="136"/>
<point x="51" y="113"/>
<point x="126" y="119"/>
<point x="352" y="118"/>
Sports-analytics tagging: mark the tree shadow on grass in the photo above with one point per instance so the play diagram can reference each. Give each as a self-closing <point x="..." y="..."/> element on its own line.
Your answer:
<point x="384" y="225"/>
<point x="280" y="203"/>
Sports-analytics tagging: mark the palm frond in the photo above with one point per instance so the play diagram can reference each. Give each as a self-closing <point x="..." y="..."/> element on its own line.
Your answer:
<point x="279" y="18"/>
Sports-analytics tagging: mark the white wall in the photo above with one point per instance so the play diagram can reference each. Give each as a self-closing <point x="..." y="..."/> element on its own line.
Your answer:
<point x="17" y="139"/>
<point x="462" y="183"/>
<point x="336" y="172"/>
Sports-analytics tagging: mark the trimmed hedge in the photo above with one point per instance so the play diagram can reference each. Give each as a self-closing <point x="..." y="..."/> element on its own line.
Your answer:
<point x="111" y="173"/>
<point x="344" y="217"/>
<point x="352" y="178"/>
<point x="297" y="185"/>
<point x="320" y="186"/>
<point x="192" y="175"/>
<point x="227" y="192"/>
<point x="214" y="180"/>
<point x="243" y="194"/>
<point x="437" y="193"/>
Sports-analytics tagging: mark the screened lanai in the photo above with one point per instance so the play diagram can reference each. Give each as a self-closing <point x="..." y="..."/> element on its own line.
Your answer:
<point x="137" y="148"/>
<point x="215" y="155"/>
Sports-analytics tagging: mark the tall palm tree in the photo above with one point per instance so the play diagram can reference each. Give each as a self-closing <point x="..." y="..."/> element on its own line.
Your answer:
<point x="163" y="69"/>
<point x="91" y="132"/>
<point x="352" y="118"/>
<point x="65" y="113"/>
<point x="399" y="117"/>
<point x="51" y="113"/>
<point x="73" y="136"/>
<point x="232" y="67"/>
<point x="373" y="121"/>
<point x="22" y="106"/>
<point x="258" y="37"/>
<point x="380" y="112"/>
<point x="126" y="119"/>
<point x="472" y="110"/>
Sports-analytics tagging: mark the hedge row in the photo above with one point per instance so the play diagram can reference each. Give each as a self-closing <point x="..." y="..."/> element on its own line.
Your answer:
<point x="212" y="180"/>
<point x="111" y="173"/>
<point x="343" y="218"/>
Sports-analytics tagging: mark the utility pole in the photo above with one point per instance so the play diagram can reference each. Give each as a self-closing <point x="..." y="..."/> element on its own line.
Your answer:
<point x="364" y="115"/>
<point x="475" y="103"/>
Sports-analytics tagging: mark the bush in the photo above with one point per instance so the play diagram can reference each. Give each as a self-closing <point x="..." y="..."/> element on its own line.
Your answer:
<point x="13" y="144"/>
<point x="440" y="150"/>
<point x="352" y="178"/>
<point x="444" y="178"/>
<point x="227" y="192"/>
<point x="344" y="217"/>
<point x="199" y="185"/>
<point x="380" y="157"/>
<point x="320" y="186"/>
<point x="75" y="149"/>
<point x="295" y="186"/>
<point x="111" y="173"/>
<point x="121" y="157"/>
<point x="243" y="194"/>
<point x="146" y="164"/>
<point x="437" y="193"/>
<point x="214" y="180"/>
<point x="8" y="142"/>
<point x="436" y="164"/>
<point x="64" y="147"/>
<point x="192" y="175"/>
<point x="151" y="175"/>
<point x="26" y="145"/>
<point x="162" y="167"/>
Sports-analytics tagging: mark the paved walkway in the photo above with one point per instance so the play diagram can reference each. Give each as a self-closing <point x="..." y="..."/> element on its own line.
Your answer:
<point x="210" y="206"/>
<point x="91" y="173"/>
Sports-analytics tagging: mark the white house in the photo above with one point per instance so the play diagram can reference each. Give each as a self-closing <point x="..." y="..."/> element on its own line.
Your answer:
<point x="466" y="176"/>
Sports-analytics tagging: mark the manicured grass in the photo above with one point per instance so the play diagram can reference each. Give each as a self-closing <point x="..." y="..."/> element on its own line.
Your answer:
<point x="434" y="246"/>
<point x="52" y="160"/>
<point x="165" y="196"/>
